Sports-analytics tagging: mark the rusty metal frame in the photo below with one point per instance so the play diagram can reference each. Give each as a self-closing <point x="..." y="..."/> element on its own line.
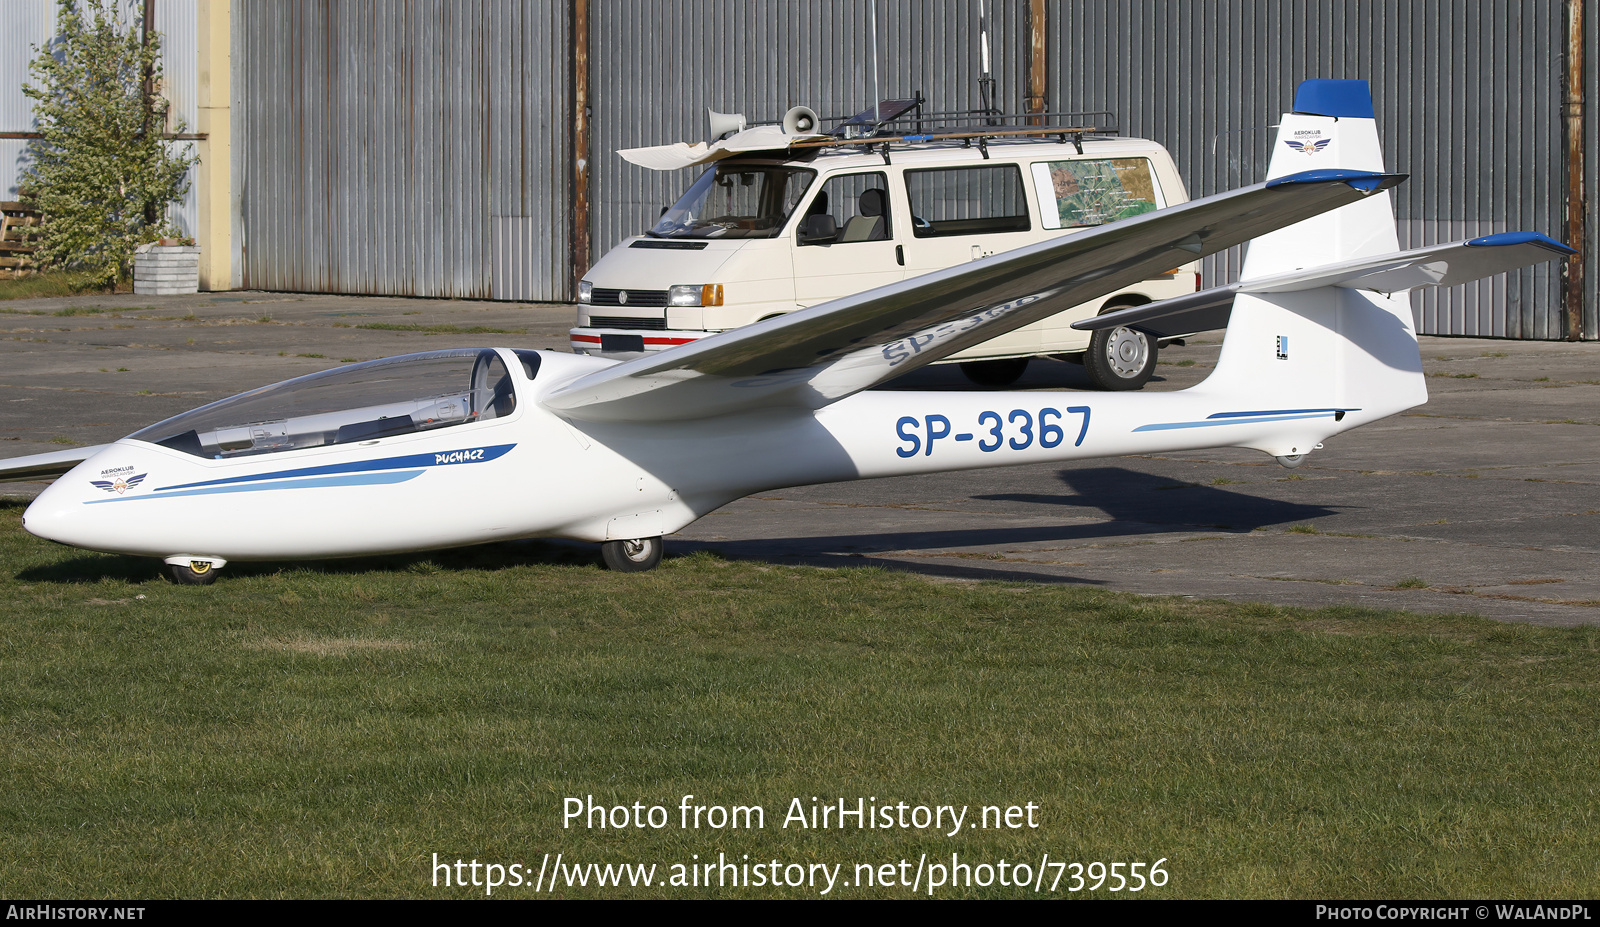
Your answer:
<point x="1573" y="284"/>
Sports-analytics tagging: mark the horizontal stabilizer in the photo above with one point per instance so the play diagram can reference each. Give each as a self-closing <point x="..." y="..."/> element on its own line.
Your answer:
<point x="1441" y="265"/>
<point x="45" y="466"/>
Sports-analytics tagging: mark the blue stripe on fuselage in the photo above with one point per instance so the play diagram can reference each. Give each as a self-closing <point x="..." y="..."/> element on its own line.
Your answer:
<point x="1274" y="412"/>
<point x="353" y="479"/>
<point x="433" y="459"/>
<point x="1248" y="418"/>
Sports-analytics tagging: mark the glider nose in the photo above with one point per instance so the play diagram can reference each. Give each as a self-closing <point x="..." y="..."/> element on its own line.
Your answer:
<point x="56" y="515"/>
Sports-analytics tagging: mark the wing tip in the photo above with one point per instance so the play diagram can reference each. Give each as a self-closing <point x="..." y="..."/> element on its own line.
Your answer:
<point x="45" y="466"/>
<point x="1503" y="239"/>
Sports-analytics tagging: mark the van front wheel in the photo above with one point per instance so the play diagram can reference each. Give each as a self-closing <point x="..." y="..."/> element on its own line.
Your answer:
<point x="1120" y="359"/>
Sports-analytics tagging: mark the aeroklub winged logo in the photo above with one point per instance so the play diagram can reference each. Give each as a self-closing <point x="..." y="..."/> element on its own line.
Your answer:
<point x="1309" y="145"/>
<point x="119" y="483"/>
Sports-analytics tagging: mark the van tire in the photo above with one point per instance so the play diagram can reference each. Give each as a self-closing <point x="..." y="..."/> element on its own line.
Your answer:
<point x="1120" y="359"/>
<point x="996" y="372"/>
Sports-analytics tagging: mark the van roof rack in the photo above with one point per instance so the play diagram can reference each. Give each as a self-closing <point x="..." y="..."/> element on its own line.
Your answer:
<point x="903" y="121"/>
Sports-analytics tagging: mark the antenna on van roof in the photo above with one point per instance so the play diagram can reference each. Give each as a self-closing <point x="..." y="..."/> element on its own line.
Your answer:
<point x="877" y="96"/>
<point x="986" y="80"/>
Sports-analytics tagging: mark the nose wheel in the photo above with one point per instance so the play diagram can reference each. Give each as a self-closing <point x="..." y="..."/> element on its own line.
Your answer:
<point x="194" y="571"/>
<point x="635" y="556"/>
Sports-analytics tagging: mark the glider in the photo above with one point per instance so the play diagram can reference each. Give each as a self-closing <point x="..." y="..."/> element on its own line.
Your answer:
<point x="459" y="447"/>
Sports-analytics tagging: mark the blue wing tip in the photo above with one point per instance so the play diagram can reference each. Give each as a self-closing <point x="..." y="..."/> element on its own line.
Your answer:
<point x="1522" y="238"/>
<point x="1337" y="98"/>
<point x="1365" y="181"/>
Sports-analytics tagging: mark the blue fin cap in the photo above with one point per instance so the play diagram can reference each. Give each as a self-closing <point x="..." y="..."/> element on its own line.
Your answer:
<point x="1337" y="98"/>
<point x="1522" y="238"/>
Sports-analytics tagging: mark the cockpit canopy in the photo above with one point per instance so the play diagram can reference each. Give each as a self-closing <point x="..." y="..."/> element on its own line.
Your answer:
<point x="346" y="405"/>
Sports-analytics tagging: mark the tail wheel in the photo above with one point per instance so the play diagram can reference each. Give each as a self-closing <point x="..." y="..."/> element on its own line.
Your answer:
<point x="635" y="556"/>
<point x="193" y="573"/>
<point x="1120" y="359"/>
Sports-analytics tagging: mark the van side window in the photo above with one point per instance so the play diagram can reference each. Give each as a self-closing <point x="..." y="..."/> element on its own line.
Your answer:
<point x="858" y="205"/>
<point x="1094" y="191"/>
<point x="967" y="200"/>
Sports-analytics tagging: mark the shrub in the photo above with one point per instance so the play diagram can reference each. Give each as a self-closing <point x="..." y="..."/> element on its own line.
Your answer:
<point x="101" y="174"/>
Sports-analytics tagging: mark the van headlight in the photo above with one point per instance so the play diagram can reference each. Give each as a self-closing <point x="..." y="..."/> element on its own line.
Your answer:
<point x="585" y="292"/>
<point x="689" y="294"/>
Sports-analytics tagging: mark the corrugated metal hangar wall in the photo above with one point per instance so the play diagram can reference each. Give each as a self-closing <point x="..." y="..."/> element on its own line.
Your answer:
<point x="394" y="147"/>
<point x="1468" y="97"/>
<point x="427" y="147"/>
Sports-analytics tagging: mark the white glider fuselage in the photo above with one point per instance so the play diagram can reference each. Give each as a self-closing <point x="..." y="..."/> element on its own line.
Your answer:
<point x="533" y="473"/>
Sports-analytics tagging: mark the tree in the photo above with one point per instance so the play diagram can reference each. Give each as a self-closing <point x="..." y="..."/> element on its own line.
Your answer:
<point x="101" y="174"/>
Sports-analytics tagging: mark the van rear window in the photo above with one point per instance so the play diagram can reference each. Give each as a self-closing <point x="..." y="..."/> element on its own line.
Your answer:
<point x="967" y="200"/>
<point x="1094" y="191"/>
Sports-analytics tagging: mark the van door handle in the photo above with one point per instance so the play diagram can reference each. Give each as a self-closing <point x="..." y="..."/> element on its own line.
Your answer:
<point x="900" y="255"/>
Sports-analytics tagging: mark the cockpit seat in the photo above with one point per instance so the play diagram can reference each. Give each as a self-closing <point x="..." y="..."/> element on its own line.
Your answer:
<point x="868" y="226"/>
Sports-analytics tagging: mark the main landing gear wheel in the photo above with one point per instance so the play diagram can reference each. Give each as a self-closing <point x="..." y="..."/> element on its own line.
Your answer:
<point x="635" y="556"/>
<point x="995" y="372"/>
<point x="1120" y="358"/>
<point x="193" y="573"/>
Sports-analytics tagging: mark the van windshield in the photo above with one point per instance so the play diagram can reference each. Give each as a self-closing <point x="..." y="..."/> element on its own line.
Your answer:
<point x="736" y="201"/>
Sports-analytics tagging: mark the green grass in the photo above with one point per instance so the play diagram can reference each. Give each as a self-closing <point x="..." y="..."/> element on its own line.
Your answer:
<point x="55" y="283"/>
<point x="323" y="729"/>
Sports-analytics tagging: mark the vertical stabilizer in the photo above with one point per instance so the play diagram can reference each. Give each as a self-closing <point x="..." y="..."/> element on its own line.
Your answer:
<point x="1354" y="351"/>
<point x="1332" y="128"/>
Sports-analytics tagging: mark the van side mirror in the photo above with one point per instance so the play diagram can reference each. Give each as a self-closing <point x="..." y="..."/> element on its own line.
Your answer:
<point x="818" y="230"/>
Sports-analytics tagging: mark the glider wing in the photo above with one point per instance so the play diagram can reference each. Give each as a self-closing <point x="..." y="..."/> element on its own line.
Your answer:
<point x="816" y="356"/>
<point x="45" y="466"/>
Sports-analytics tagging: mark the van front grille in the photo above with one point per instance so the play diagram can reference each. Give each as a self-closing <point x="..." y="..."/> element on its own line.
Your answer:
<point x="644" y="299"/>
<point x="626" y="324"/>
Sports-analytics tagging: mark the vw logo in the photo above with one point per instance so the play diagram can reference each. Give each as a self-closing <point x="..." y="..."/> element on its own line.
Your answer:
<point x="622" y="297"/>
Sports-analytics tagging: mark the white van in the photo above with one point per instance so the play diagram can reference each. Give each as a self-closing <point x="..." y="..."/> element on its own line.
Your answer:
<point x="759" y="236"/>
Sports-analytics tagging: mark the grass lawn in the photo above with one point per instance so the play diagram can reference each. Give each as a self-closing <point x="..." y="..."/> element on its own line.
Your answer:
<point x="325" y="729"/>
<point x="55" y="283"/>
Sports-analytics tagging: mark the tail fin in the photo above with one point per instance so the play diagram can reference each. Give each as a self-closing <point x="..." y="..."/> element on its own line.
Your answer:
<point x="1332" y="127"/>
<point x="1352" y="352"/>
